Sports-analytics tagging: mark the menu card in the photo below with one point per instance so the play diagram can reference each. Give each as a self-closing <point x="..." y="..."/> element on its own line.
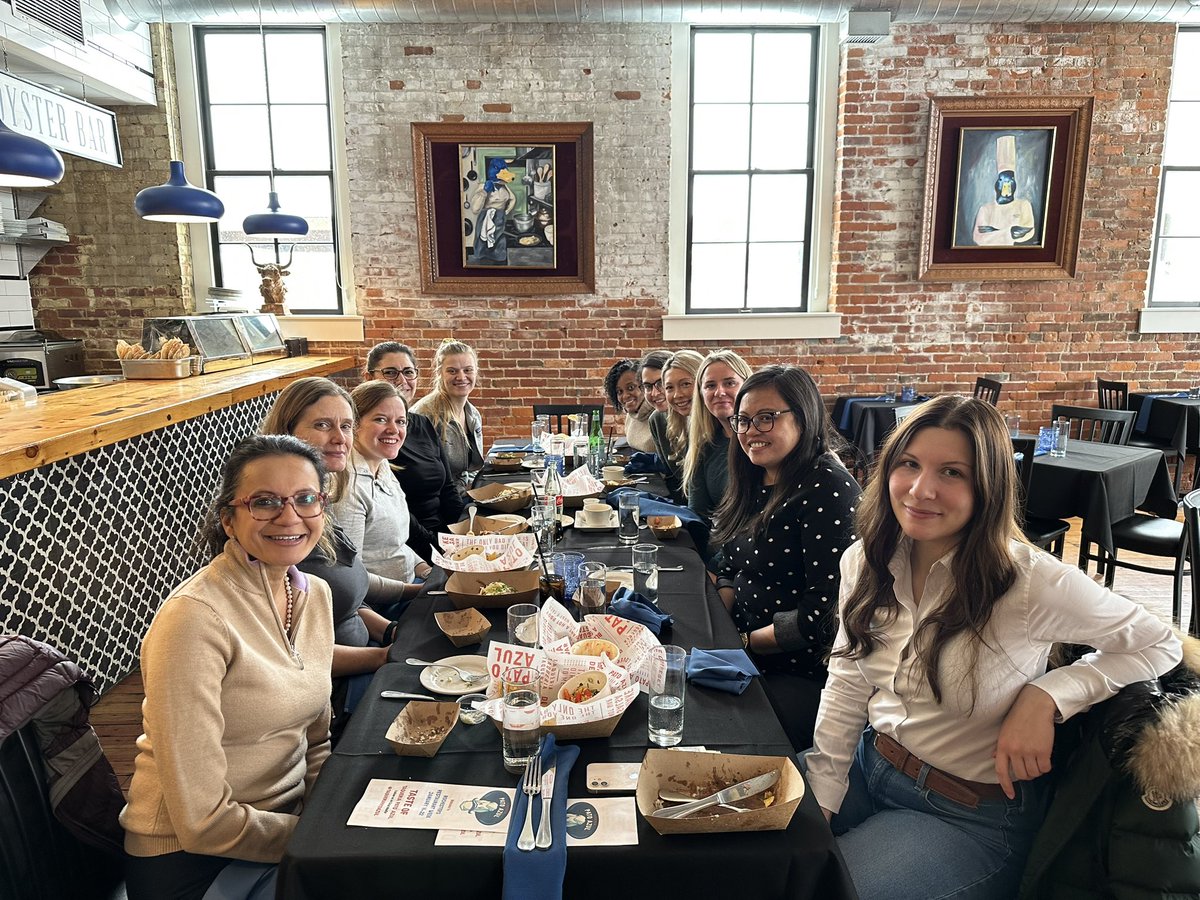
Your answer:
<point x="592" y="822"/>
<point x="421" y="804"/>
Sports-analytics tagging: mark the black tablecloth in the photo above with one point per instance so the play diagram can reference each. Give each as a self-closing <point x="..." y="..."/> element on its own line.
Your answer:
<point x="325" y="858"/>
<point x="870" y="422"/>
<point x="1102" y="484"/>
<point x="1167" y="416"/>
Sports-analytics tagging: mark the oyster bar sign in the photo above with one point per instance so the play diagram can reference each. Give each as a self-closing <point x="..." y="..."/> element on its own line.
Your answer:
<point x="63" y="122"/>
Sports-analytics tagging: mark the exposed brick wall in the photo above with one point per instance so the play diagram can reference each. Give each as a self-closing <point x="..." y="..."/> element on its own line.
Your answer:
<point x="117" y="270"/>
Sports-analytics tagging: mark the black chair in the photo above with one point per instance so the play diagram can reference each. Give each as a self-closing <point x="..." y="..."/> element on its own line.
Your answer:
<point x="1152" y="536"/>
<point x="558" y="413"/>
<point x="1191" y="526"/>
<point x="1112" y="394"/>
<point x="987" y="389"/>
<point x="1105" y="426"/>
<point x="1048" y="534"/>
<point x="1115" y="395"/>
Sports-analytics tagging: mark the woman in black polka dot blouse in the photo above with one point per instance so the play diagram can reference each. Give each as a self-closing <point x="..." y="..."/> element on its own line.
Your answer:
<point x="786" y="519"/>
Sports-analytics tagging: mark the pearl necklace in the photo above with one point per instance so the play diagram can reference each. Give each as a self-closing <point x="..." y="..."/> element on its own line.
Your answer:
<point x="287" y="619"/>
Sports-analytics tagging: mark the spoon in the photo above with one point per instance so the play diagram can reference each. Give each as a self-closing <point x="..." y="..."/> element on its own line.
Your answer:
<point x="402" y="695"/>
<point x="465" y="674"/>
<point x="471" y="510"/>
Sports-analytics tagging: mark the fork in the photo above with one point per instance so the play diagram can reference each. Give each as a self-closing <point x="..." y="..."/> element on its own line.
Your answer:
<point x="531" y="784"/>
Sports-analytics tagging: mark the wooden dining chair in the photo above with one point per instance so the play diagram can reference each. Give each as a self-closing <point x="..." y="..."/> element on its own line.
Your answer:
<point x="558" y="413"/>
<point x="1191" y="527"/>
<point x="1104" y="426"/>
<point x="987" y="389"/>
<point x="1112" y="394"/>
<point x="1048" y="534"/>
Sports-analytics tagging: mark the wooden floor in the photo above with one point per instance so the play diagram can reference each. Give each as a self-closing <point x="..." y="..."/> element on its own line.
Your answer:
<point x="118" y="716"/>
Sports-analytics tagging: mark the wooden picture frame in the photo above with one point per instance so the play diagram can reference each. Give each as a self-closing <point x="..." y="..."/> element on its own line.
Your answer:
<point x="1004" y="180"/>
<point x="505" y="208"/>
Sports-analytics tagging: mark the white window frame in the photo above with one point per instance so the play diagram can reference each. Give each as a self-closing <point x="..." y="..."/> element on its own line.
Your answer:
<point x="819" y="321"/>
<point x="344" y="327"/>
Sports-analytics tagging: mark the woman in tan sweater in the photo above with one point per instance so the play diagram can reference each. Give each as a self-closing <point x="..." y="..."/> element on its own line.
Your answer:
<point x="236" y="667"/>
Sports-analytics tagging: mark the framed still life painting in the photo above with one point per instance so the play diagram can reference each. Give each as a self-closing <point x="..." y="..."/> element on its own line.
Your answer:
<point x="1004" y="182"/>
<point x="504" y="208"/>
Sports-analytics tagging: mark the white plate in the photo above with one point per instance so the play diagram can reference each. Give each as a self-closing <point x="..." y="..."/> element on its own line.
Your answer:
<point x="533" y="463"/>
<point x="564" y="520"/>
<point x="446" y="681"/>
<point x="582" y="524"/>
<point x="510" y="518"/>
<point x="519" y="486"/>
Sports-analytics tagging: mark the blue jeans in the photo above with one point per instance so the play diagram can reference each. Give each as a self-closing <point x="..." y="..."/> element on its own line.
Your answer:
<point x="902" y="841"/>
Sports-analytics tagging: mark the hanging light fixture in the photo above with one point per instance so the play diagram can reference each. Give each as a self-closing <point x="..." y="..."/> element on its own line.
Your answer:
<point x="272" y="225"/>
<point x="175" y="200"/>
<point x="25" y="161"/>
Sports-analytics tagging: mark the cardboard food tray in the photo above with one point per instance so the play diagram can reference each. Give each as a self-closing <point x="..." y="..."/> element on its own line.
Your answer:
<point x="463" y="589"/>
<point x="422" y="716"/>
<point x="700" y="774"/>
<point x="463" y="627"/>
<point x="506" y="461"/>
<point x="665" y="528"/>
<point x="489" y="525"/>
<point x="486" y="495"/>
<point x="579" y="731"/>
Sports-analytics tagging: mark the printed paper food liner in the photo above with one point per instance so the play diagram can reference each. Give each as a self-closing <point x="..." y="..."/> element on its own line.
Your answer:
<point x="581" y="483"/>
<point x="559" y="631"/>
<point x="510" y="552"/>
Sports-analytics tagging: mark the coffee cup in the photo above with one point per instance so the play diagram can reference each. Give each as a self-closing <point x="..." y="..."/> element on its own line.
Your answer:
<point x="596" y="514"/>
<point x="613" y="473"/>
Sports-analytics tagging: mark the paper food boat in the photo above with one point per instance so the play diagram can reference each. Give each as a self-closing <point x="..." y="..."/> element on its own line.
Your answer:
<point x="499" y="552"/>
<point x="421" y="727"/>
<point x="637" y="643"/>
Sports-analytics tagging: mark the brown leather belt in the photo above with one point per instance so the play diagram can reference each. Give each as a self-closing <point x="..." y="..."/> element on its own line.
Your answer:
<point x="968" y="793"/>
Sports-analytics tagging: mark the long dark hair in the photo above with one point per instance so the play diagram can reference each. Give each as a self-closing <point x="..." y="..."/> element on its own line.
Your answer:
<point x="983" y="568"/>
<point x="735" y="515"/>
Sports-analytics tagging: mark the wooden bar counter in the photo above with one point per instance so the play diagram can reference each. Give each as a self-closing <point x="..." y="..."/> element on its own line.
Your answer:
<point x="102" y="493"/>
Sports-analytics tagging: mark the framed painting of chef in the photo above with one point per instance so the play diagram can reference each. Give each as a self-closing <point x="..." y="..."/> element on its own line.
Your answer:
<point x="505" y="207"/>
<point x="1004" y="188"/>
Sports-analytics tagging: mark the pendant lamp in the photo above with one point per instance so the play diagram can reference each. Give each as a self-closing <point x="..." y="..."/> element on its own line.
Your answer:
<point x="177" y="200"/>
<point x="275" y="225"/>
<point x="27" y="162"/>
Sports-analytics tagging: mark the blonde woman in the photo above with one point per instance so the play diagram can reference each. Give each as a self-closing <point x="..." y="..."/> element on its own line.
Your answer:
<point x="669" y="428"/>
<point x="706" y="464"/>
<point x="458" y="423"/>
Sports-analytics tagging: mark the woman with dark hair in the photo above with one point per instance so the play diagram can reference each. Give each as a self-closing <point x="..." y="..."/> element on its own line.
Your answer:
<point x="236" y="669"/>
<point x="947" y="621"/>
<point x="421" y="467"/>
<point x="623" y="389"/>
<point x="786" y="518"/>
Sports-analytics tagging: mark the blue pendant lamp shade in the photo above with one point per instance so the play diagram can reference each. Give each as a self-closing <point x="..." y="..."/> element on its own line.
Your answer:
<point x="27" y="162"/>
<point x="178" y="201"/>
<point x="275" y="224"/>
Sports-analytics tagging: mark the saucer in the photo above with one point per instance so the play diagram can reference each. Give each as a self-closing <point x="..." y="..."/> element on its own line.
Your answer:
<point x="582" y="524"/>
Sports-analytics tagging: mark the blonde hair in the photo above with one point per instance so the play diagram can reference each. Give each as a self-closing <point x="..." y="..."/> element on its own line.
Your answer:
<point x="291" y="404"/>
<point x="437" y="405"/>
<point x="703" y="425"/>
<point x="677" y="426"/>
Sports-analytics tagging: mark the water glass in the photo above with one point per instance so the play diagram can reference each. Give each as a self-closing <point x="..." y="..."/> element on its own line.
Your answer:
<point x="1045" y="438"/>
<point x="522" y="728"/>
<point x="538" y="430"/>
<point x="1062" y="431"/>
<point x="1194" y="392"/>
<point x="523" y="625"/>
<point x="520" y="678"/>
<point x="627" y="518"/>
<point x="645" y="571"/>
<point x="592" y="595"/>
<point x="1013" y="422"/>
<point x="537" y="475"/>
<point x="567" y="565"/>
<point x="543" y="518"/>
<point x="668" y="682"/>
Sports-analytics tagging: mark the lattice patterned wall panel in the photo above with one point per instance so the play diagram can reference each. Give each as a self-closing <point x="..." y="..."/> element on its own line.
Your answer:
<point x="92" y="545"/>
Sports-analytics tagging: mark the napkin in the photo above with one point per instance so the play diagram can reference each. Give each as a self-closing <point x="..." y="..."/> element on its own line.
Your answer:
<point x="725" y="670"/>
<point x="539" y="873"/>
<point x="1143" y="416"/>
<point x="633" y="606"/>
<point x="642" y="463"/>
<point x="653" y="505"/>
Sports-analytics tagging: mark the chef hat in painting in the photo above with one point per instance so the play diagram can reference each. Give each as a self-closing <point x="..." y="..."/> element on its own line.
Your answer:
<point x="1006" y="153"/>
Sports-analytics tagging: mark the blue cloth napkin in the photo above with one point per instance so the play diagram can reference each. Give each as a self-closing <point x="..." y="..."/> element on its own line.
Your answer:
<point x="844" y="424"/>
<point x="538" y="874"/>
<point x="1143" y="416"/>
<point x="725" y="670"/>
<point x="642" y="463"/>
<point x="633" y="606"/>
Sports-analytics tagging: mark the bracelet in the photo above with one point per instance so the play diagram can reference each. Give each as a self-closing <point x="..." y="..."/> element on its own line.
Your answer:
<point x="389" y="632"/>
<point x="745" y="639"/>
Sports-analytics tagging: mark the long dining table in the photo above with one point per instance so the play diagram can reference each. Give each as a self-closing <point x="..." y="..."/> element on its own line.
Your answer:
<point x="328" y="858"/>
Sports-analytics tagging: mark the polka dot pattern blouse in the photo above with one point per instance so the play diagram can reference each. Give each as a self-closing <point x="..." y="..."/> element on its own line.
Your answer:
<point x="789" y="575"/>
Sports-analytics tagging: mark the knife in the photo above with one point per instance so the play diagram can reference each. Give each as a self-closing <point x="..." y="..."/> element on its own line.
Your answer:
<point x="544" y="836"/>
<point x="739" y="791"/>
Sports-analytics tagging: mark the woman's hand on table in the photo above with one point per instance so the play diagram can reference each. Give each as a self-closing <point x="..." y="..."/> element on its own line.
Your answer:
<point x="1026" y="738"/>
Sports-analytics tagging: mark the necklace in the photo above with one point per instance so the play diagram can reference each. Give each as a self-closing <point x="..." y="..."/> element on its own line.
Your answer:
<point x="287" y="619"/>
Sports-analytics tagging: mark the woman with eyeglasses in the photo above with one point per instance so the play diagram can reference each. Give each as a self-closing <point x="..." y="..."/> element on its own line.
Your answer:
<point x="458" y="423"/>
<point x="785" y="521"/>
<point x="421" y="467"/>
<point x="320" y="413"/>
<point x="623" y="388"/>
<point x="236" y="669"/>
<point x="706" y="464"/>
<point x="677" y="376"/>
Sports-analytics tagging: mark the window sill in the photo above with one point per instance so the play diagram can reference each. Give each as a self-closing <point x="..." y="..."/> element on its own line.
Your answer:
<point x="323" y="328"/>
<point x="1169" y="320"/>
<point x="752" y="327"/>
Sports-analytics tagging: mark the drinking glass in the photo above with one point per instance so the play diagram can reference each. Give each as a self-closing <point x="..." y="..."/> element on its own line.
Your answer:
<point x="553" y="587"/>
<point x="520" y="678"/>
<point x="567" y="565"/>
<point x="538" y="430"/>
<point x="1045" y="438"/>
<point x="668" y="682"/>
<point x="592" y="594"/>
<point x="1013" y="422"/>
<point x="1194" y="392"/>
<point x="627" y="518"/>
<point x="523" y="625"/>
<point x="522" y="728"/>
<point x="543" y="518"/>
<point x="645" y="571"/>
<point x="1062" y="431"/>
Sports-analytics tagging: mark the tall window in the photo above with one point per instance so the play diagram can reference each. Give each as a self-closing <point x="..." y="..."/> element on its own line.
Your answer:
<point x="1176" y="268"/>
<point x="750" y="171"/>
<point x="236" y="98"/>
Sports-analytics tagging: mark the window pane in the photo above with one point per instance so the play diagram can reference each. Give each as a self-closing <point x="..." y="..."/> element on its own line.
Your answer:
<point x="311" y="283"/>
<point x="239" y="137"/>
<point x="1185" y="77"/>
<point x="1182" y="144"/>
<point x="296" y="63"/>
<point x="721" y="68"/>
<point x="1180" y="213"/>
<point x="782" y="67"/>
<point x="777" y="207"/>
<point x="719" y="207"/>
<point x="238" y="272"/>
<point x="1177" y="271"/>
<point x="301" y="137"/>
<point x="776" y="276"/>
<point x="780" y="137"/>
<point x="234" y="66"/>
<point x="720" y="136"/>
<point x="241" y="196"/>
<point x="718" y="276"/>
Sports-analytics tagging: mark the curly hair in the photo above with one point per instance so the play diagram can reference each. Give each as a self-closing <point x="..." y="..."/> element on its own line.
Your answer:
<point x="619" y="368"/>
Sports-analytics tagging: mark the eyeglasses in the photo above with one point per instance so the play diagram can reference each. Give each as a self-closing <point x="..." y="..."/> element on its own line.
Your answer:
<point x="267" y="507"/>
<point x="391" y="374"/>
<point x="763" y="422"/>
<point x="649" y="386"/>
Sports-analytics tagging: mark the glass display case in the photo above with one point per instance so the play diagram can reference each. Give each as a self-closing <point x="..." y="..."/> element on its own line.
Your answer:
<point x="220" y="341"/>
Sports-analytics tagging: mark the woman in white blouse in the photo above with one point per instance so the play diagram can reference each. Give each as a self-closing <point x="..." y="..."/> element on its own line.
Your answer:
<point x="947" y="620"/>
